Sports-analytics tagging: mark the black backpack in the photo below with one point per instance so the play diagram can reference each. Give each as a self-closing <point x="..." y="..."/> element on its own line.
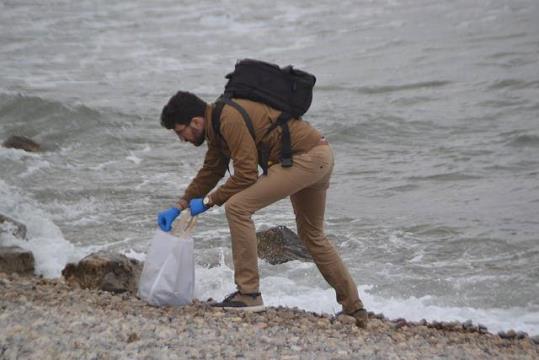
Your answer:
<point x="286" y="89"/>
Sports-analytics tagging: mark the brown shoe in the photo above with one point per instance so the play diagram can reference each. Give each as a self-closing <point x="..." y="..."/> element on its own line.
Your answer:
<point x="361" y="317"/>
<point x="242" y="302"/>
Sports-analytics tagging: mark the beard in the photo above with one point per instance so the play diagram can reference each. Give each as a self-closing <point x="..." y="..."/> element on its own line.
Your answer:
<point x="199" y="138"/>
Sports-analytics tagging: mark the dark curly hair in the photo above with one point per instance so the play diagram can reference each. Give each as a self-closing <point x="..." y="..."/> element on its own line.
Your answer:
<point x="181" y="108"/>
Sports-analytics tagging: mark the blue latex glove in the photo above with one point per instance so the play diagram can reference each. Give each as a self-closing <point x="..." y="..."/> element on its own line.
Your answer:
<point x="167" y="217"/>
<point x="197" y="206"/>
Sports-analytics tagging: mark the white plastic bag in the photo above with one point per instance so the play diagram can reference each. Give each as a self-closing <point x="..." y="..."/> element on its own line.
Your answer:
<point x="168" y="276"/>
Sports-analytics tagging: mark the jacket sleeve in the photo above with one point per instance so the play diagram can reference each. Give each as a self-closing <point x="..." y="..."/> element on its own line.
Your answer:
<point x="243" y="154"/>
<point x="208" y="176"/>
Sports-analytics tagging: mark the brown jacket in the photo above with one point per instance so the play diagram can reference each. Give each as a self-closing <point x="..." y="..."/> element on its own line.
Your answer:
<point x="237" y="144"/>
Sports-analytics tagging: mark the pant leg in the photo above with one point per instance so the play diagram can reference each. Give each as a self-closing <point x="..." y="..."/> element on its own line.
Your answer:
<point x="278" y="184"/>
<point x="309" y="206"/>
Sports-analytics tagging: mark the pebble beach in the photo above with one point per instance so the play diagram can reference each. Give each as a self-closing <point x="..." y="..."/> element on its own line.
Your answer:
<point x="47" y="319"/>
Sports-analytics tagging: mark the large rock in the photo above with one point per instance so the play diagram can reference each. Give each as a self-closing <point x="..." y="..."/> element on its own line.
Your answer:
<point x="14" y="259"/>
<point x="14" y="227"/>
<point x="106" y="271"/>
<point x="279" y="244"/>
<point x="21" y="142"/>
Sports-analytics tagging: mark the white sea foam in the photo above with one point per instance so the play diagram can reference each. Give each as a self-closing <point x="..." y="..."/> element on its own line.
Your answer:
<point x="17" y="154"/>
<point x="140" y="256"/>
<point x="83" y="209"/>
<point x="280" y="290"/>
<point x="415" y="309"/>
<point x="36" y="166"/>
<point x="45" y="240"/>
<point x="132" y="157"/>
<point x="103" y="165"/>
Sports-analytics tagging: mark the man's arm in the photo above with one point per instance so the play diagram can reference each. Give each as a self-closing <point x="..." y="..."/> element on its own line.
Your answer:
<point x="208" y="176"/>
<point x="243" y="154"/>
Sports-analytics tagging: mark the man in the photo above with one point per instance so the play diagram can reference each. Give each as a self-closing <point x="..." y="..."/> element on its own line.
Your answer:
<point x="305" y="182"/>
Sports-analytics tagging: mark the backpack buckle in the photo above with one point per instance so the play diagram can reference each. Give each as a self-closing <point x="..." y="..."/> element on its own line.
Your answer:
<point x="286" y="162"/>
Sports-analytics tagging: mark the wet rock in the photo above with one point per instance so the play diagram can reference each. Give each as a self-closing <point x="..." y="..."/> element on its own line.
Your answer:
<point x="279" y="245"/>
<point x="510" y="335"/>
<point x="535" y="339"/>
<point x="22" y="143"/>
<point x="468" y="325"/>
<point x="14" y="259"/>
<point x="400" y="323"/>
<point x="12" y="226"/>
<point x="105" y="271"/>
<point x="482" y="329"/>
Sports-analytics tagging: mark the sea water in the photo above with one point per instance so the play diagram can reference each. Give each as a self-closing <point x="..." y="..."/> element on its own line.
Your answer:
<point x="432" y="109"/>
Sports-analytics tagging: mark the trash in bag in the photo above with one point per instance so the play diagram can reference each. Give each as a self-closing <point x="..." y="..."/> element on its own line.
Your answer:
<point x="168" y="276"/>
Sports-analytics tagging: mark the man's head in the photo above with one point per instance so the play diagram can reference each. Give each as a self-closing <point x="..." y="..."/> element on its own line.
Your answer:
<point x="184" y="114"/>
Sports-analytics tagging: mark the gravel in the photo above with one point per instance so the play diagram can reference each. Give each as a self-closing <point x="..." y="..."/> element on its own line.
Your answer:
<point x="47" y="319"/>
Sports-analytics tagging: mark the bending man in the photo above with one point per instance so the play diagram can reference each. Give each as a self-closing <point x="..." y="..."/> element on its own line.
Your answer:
<point x="245" y="192"/>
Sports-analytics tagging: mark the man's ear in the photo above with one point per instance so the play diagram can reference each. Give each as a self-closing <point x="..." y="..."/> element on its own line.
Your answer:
<point x="198" y="122"/>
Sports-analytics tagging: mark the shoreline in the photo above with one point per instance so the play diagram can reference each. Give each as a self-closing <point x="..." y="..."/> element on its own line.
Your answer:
<point x="47" y="319"/>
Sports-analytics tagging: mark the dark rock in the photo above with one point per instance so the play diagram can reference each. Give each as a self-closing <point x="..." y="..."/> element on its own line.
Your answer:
<point x="105" y="271"/>
<point x="522" y="335"/>
<point x="399" y="323"/>
<point x="7" y="224"/>
<point x="279" y="245"/>
<point x="511" y="334"/>
<point x="21" y="142"/>
<point x="535" y="339"/>
<point x="14" y="259"/>
<point x="468" y="325"/>
<point x="133" y="337"/>
<point x="453" y="325"/>
<point x="482" y="329"/>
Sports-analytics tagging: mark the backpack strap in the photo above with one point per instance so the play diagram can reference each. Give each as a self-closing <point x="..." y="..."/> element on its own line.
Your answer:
<point x="216" y="117"/>
<point x="244" y="115"/>
<point x="282" y="121"/>
<point x="218" y="109"/>
<point x="286" y="143"/>
<point x="216" y="125"/>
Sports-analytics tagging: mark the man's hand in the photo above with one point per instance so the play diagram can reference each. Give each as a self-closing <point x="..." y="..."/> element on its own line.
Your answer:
<point x="167" y="217"/>
<point x="197" y="206"/>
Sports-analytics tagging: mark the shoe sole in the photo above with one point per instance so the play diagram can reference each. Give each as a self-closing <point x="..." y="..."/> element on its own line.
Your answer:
<point x="257" y="308"/>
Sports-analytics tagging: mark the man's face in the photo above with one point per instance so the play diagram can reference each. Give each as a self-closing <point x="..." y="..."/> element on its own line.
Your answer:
<point x="193" y="133"/>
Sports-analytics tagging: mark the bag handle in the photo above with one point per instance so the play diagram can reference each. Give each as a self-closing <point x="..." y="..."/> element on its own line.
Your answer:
<point x="185" y="226"/>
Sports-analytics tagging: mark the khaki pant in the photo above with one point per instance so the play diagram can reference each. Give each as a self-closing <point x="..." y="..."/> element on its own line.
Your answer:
<point x="306" y="182"/>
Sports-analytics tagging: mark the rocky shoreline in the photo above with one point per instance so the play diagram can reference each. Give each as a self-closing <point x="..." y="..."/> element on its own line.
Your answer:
<point x="92" y="313"/>
<point x="48" y="319"/>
